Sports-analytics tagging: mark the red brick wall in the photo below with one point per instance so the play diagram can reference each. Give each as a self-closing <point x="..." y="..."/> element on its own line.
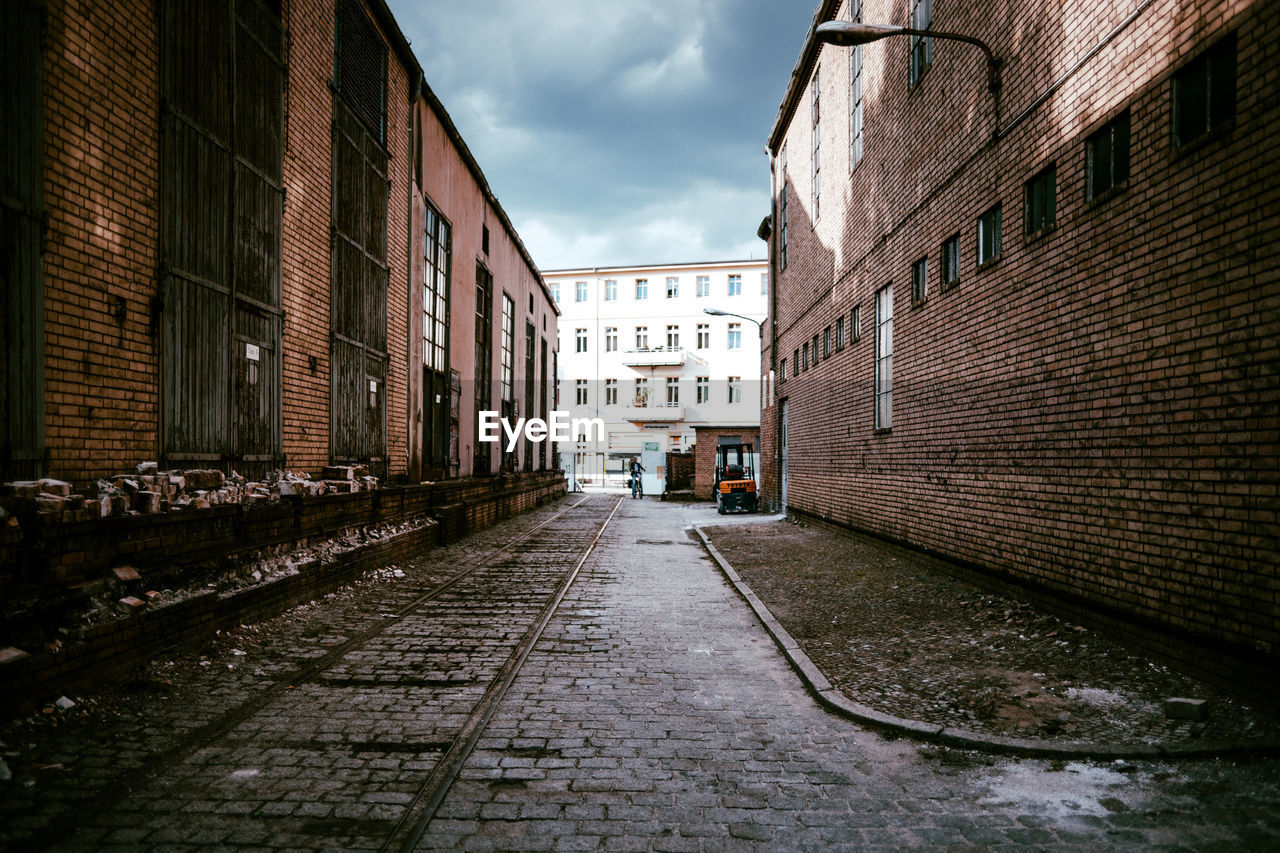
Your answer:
<point x="101" y="193"/>
<point x="1095" y="413"/>
<point x="101" y="143"/>
<point x="704" y="456"/>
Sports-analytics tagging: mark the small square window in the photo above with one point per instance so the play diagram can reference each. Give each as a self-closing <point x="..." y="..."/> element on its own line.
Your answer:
<point x="920" y="281"/>
<point x="1039" y="201"/>
<point x="1204" y="93"/>
<point x="1107" y="157"/>
<point x="989" y="236"/>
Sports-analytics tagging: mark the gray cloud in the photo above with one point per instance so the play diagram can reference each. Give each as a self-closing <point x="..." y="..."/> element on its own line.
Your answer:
<point x="617" y="133"/>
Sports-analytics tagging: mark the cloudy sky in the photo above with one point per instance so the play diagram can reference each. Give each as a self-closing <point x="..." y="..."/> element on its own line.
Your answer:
<point x="616" y="133"/>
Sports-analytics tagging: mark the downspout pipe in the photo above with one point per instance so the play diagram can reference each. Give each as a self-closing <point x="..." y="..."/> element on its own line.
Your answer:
<point x="415" y="416"/>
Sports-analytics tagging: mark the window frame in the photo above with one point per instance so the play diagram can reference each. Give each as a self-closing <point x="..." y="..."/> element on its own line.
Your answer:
<point x="950" y="271"/>
<point x="1219" y="115"/>
<point x="992" y="216"/>
<point x="920" y="281"/>
<point x="1039" y="202"/>
<point x="1116" y="135"/>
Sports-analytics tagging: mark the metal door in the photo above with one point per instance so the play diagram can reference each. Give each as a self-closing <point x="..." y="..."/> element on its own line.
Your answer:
<point x="782" y="467"/>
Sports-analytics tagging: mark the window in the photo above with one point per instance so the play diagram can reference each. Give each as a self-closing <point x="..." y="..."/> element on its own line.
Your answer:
<point x="814" y="357"/>
<point x="704" y="336"/>
<point x="796" y="365"/>
<point x="816" y="85"/>
<point x="1039" y="201"/>
<point x="642" y="337"/>
<point x="735" y="389"/>
<point x="507" y="377"/>
<point x="555" y="291"/>
<point x="642" y="288"/>
<point x="989" y="236"/>
<point x="611" y="290"/>
<point x="803" y="359"/>
<point x="920" y="281"/>
<point x="826" y="342"/>
<point x="581" y="335"/>
<point x="735" y="336"/>
<point x="673" y="391"/>
<point x="673" y="337"/>
<point x="884" y="358"/>
<point x="580" y="291"/>
<point x="840" y="333"/>
<point x="1107" y="157"/>
<point x="702" y="389"/>
<point x="951" y="261"/>
<point x="855" y="323"/>
<point x="610" y="338"/>
<point x="764" y="284"/>
<point x="611" y="392"/>
<point x="484" y="239"/>
<point x="921" y="46"/>
<point x="437" y="254"/>
<point x="580" y="387"/>
<point x="782" y="374"/>
<point x="642" y="393"/>
<point x="1204" y="93"/>
<point x="735" y="285"/>
<point x="703" y="286"/>
<point x="673" y="287"/>
<point x="855" y="92"/>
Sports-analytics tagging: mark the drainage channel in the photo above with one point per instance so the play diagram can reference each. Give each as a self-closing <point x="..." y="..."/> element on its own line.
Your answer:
<point x="535" y="589"/>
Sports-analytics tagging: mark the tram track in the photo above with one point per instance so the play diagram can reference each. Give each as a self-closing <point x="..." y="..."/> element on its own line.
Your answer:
<point x="496" y="605"/>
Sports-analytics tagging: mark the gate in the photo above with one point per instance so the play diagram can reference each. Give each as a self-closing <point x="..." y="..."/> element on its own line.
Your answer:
<point x="221" y="206"/>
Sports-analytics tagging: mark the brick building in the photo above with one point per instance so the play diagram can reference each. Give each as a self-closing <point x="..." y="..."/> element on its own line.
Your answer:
<point x="1036" y="329"/>
<point x="221" y="223"/>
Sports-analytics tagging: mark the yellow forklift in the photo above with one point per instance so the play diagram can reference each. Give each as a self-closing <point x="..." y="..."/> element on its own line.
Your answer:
<point x="735" y="485"/>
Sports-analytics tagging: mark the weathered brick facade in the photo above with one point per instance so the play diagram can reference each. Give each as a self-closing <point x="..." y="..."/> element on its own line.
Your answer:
<point x="1095" y="412"/>
<point x="704" y="455"/>
<point x="114" y="279"/>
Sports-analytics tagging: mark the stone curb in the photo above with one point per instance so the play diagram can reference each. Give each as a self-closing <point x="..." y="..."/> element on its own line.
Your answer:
<point x="837" y="702"/>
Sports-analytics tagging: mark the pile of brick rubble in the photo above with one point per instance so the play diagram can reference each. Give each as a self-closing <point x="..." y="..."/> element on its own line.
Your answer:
<point x="149" y="490"/>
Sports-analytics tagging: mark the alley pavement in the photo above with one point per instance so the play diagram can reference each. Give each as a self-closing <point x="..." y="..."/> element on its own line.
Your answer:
<point x="654" y="712"/>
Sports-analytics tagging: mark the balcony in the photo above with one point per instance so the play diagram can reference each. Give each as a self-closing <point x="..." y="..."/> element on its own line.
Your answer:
<point x="638" y="413"/>
<point x="654" y="357"/>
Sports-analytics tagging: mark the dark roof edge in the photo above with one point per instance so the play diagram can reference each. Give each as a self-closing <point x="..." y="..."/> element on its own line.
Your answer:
<point x="800" y="75"/>
<point x="403" y="49"/>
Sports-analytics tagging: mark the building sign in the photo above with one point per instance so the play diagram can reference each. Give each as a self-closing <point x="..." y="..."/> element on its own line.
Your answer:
<point x="651" y="446"/>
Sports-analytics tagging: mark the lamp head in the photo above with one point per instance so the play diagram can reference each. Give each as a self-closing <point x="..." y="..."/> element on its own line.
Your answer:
<point x="848" y="34"/>
<point x="716" y="311"/>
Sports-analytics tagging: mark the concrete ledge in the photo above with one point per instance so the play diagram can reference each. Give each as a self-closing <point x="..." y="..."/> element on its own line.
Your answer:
<point x="837" y="702"/>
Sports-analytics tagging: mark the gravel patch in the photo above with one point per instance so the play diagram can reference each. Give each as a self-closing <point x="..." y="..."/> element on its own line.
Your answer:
<point x="891" y="630"/>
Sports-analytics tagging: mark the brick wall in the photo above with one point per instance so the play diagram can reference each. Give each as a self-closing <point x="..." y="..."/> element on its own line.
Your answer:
<point x="175" y="548"/>
<point x="1095" y="414"/>
<point x="704" y="455"/>
<point x="101" y="285"/>
<point x="101" y="144"/>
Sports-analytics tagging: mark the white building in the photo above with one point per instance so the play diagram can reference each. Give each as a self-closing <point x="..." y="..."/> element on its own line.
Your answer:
<point x="639" y="351"/>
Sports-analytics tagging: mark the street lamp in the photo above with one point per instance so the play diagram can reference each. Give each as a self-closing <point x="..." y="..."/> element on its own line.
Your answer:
<point x="716" y="312"/>
<point x="848" y="34"/>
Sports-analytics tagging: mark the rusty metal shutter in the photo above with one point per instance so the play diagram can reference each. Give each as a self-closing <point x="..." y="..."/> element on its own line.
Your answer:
<point x="22" y="450"/>
<point x="221" y="218"/>
<point x="361" y="67"/>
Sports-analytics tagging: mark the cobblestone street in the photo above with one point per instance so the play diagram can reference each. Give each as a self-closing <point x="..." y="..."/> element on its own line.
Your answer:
<point x="653" y="713"/>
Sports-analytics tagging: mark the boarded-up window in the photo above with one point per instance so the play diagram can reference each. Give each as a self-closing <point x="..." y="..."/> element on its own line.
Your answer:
<point x="360" y="67"/>
<point x="359" y="276"/>
<point x="22" y="452"/>
<point x="220" y="230"/>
